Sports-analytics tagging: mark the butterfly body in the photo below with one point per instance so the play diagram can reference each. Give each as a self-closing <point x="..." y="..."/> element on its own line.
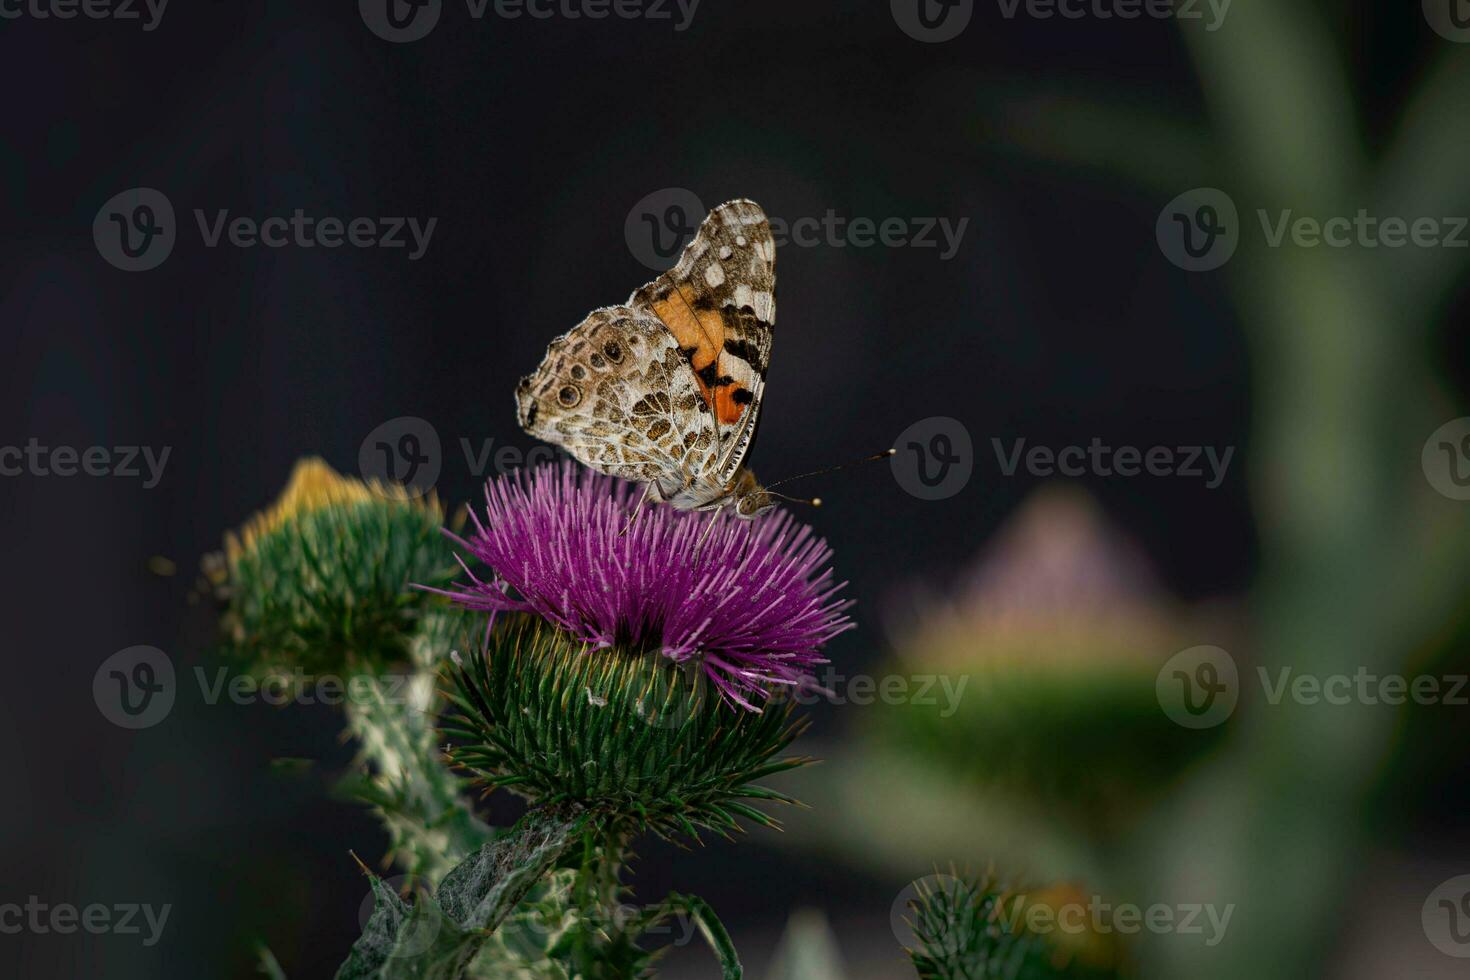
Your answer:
<point x="666" y="389"/>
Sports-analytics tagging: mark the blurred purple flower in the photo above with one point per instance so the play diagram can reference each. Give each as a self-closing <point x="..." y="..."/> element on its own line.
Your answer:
<point x="752" y="603"/>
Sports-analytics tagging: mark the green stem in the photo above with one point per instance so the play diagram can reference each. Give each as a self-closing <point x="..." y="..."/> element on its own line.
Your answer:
<point x="404" y="776"/>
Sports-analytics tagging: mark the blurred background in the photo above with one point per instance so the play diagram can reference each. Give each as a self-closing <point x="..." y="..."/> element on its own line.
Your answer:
<point x="1010" y="227"/>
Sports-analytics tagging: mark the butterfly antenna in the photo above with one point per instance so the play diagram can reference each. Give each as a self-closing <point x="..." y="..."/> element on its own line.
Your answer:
<point x="830" y="469"/>
<point x="813" y="501"/>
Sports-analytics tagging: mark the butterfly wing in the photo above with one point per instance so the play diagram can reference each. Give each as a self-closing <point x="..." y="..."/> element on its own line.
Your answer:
<point x="719" y="303"/>
<point x="617" y="394"/>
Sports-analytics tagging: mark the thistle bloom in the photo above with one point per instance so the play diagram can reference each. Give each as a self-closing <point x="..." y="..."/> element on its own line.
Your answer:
<point x="752" y="602"/>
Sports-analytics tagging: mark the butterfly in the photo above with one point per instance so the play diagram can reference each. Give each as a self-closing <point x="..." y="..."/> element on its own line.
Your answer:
<point x="666" y="389"/>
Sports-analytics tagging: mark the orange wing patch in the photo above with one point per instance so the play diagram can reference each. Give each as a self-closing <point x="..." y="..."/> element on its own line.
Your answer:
<point x="701" y="335"/>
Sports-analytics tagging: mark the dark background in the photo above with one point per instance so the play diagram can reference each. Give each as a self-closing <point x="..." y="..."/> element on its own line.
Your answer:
<point x="1058" y="320"/>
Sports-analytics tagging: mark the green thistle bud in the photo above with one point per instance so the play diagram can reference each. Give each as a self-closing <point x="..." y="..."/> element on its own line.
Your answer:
<point x="318" y="581"/>
<point x="621" y="730"/>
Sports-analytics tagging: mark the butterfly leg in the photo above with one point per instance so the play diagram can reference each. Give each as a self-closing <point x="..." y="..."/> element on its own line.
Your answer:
<point x="637" y="508"/>
<point x="713" y="518"/>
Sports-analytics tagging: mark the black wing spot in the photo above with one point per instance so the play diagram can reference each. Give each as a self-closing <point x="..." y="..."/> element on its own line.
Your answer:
<point x="747" y="352"/>
<point x="712" y="378"/>
<point x="743" y="396"/>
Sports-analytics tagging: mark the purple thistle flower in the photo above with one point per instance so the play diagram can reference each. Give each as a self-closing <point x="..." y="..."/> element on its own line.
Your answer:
<point x="753" y="602"/>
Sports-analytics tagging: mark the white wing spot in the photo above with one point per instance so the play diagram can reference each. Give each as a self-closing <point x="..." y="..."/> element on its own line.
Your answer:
<point x="765" y="306"/>
<point x="714" y="274"/>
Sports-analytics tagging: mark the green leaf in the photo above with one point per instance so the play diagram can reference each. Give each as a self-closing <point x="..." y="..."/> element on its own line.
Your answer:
<point x="378" y="937"/>
<point x="438" y="937"/>
<point x="430" y="946"/>
<point x="483" y="889"/>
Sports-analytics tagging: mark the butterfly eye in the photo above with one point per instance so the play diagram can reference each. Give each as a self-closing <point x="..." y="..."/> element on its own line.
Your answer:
<point x="613" y="351"/>
<point x="569" y="396"/>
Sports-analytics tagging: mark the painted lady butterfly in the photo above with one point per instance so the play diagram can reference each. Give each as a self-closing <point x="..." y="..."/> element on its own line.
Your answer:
<point x="666" y="389"/>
